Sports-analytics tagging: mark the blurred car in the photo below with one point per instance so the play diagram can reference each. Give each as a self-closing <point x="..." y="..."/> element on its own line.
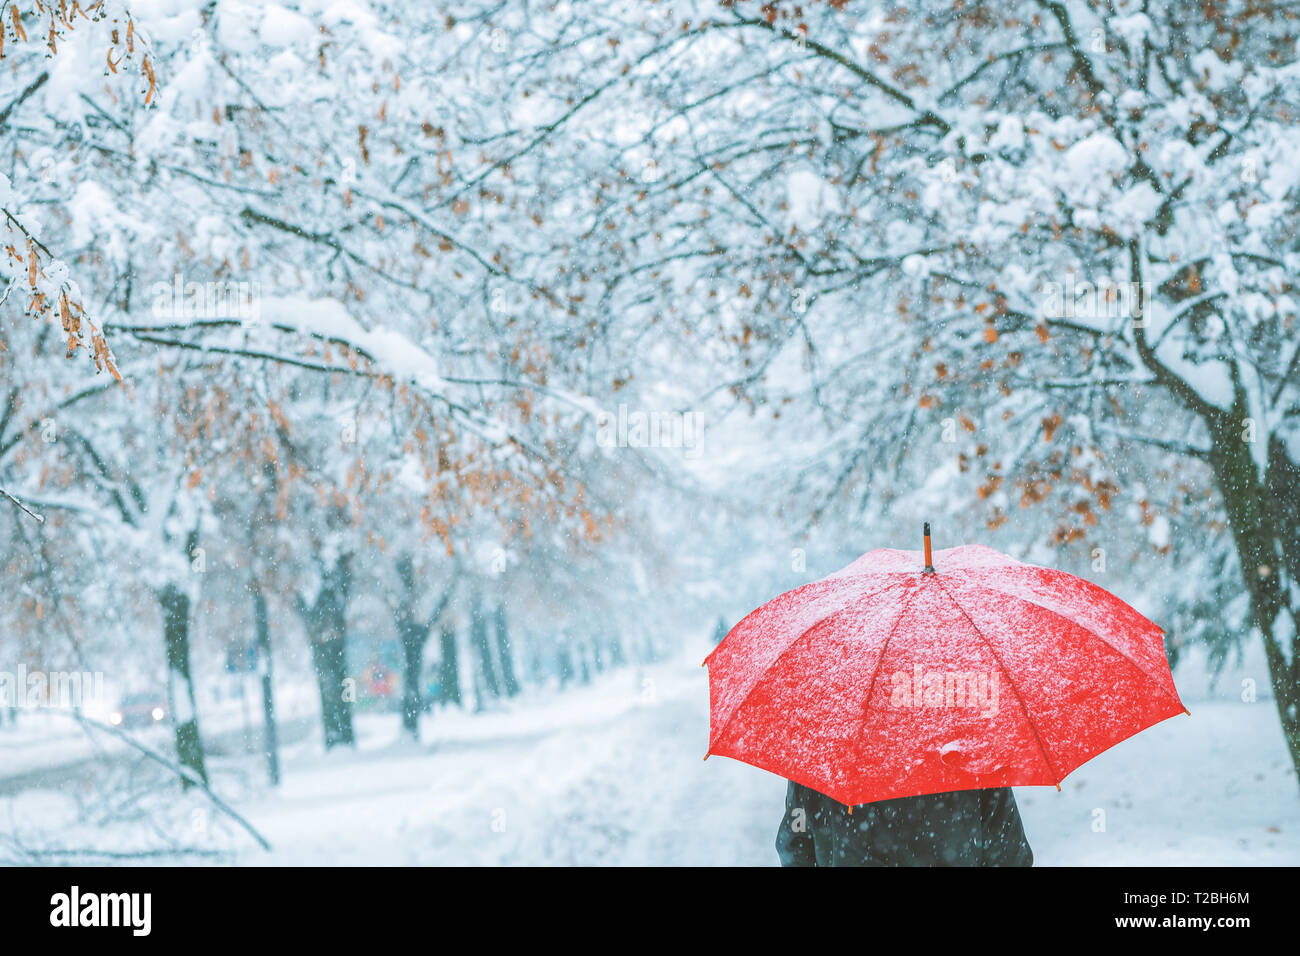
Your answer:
<point x="139" y="710"/>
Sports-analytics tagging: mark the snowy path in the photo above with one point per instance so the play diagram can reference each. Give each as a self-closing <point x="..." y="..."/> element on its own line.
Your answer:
<point x="616" y="776"/>
<point x="612" y="774"/>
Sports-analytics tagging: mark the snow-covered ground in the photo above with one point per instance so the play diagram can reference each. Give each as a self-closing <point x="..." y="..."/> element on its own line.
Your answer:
<point x="612" y="774"/>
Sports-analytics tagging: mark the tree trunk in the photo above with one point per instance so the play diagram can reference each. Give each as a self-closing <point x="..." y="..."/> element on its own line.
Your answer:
<point x="503" y="652"/>
<point x="1284" y="497"/>
<point x="326" y="623"/>
<point x="584" y="667"/>
<point x="449" y="668"/>
<point x="1261" y="546"/>
<point x="535" y="665"/>
<point x="564" y="664"/>
<point x="413" y="633"/>
<point x="483" y="648"/>
<point x="412" y="636"/>
<point x="176" y="634"/>
<point x="270" y="740"/>
<point x="328" y="656"/>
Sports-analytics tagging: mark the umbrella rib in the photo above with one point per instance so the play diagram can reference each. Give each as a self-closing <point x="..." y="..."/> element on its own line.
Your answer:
<point x="802" y="634"/>
<point x="871" y="688"/>
<point x="1043" y="607"/>
<point x="1014" y="689"/>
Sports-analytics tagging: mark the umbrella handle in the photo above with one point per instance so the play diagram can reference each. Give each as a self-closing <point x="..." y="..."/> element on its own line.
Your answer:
<point x="929" y="566"/>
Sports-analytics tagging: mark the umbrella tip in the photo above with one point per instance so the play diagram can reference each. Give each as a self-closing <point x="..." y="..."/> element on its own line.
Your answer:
<point x="929" y="565"/>
<point x="1058" y="788"/>
<point x="706" y="755"/>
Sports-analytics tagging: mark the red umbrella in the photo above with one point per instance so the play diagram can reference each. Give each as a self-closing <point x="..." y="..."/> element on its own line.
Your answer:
<point x="895" y="677"/>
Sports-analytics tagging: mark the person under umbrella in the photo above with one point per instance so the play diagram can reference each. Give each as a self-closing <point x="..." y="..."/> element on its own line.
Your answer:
<point x="902" y="701"/>
<point x="958" y="828"/>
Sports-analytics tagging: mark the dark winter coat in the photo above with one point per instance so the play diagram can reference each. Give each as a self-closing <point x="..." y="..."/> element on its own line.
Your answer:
<point x="962" y="828"/>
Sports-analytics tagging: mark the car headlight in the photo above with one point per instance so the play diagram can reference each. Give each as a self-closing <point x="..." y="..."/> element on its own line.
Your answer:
<point x="157" y="713"/>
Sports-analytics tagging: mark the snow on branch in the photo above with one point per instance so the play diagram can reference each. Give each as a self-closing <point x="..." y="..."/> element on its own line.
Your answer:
<point x="26" y="264"/>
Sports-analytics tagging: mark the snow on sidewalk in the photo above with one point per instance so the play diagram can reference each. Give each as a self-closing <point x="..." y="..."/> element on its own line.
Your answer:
<point x="612" y="774"/>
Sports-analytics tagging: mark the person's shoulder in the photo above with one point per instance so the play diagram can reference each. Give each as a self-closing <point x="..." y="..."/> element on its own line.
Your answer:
<point x="806" y="796"/>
